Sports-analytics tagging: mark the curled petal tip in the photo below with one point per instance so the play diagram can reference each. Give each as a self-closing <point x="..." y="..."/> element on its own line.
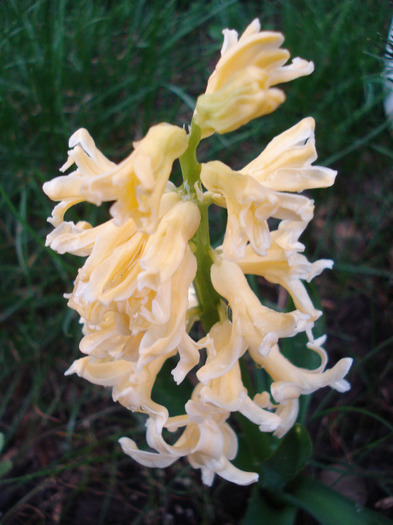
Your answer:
<point x="81" y="136"/>
<point x="72" y="369"/>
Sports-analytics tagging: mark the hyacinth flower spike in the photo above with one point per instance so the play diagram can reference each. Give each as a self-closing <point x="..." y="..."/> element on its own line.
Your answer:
<point x="153" y="294"/>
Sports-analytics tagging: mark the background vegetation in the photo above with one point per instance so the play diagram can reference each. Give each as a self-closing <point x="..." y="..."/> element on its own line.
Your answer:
<point x="117" y="67"/>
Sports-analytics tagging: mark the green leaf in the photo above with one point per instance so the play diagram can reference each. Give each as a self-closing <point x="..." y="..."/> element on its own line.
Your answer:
<point x="254" y="446"/>
<point x="329" y="507"/>
<point x="288" y="460"/>
<point x="168" y="393"/>
<point x="261" y="507"/>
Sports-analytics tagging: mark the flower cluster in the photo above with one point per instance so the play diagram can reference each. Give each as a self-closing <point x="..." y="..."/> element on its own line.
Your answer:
<point x="150" y="273"/>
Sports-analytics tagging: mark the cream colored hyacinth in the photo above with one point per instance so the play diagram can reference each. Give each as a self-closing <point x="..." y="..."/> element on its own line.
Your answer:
<point x="150" y="273"/>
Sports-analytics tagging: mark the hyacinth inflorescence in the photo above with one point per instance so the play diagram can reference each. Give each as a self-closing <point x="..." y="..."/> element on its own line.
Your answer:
<point x="151" y="274"/>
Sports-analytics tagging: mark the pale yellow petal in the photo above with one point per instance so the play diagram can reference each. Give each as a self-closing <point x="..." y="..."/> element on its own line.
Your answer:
<point x="101" y="372"/>
<point x="162" y="339"/>
<point x="148" y="459"/>
<point x="240" y="88"/>
<point x="286" y="162"/>
<point x="225" y="345"/>
<point x="261" y="327"/>
<point x="165" y="249"/>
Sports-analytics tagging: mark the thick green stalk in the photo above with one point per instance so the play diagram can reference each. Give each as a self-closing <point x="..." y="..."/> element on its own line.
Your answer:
<point x="208" y="298"/>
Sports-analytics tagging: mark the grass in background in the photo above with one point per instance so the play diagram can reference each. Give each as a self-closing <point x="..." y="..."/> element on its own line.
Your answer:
<point x="116" y="68"/>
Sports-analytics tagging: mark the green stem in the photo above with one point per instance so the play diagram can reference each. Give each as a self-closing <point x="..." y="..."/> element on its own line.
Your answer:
<point x="189" y="164"/>
<point x="208" y="298"/>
